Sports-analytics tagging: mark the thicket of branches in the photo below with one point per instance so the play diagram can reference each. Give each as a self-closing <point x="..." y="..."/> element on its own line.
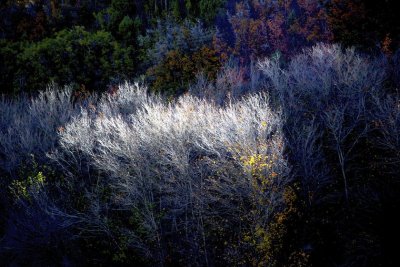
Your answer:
<point x="150" y="177"/>
<point x="297" y="167"/>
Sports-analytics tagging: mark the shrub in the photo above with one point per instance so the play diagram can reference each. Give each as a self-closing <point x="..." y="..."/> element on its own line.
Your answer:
<point x="338" y="116"/>
<point x="232" y="82"/>
<point x="168" y="36"/>
<point x="176" y="168"/>
<point x="173" y="75"/>
<point x="298" y="176"/>
<point x="28" y="126"/>
<point x="325" y="92"/>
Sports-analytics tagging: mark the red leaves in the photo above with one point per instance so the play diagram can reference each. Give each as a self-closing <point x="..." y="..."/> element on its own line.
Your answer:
<point x="262" y="28"/>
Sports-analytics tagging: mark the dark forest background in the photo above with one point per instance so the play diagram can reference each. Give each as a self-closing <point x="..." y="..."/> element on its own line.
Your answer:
<point x="97" y="44"/>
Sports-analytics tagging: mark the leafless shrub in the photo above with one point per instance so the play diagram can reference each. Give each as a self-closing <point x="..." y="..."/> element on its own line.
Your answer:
<point x="232" y="82"/>
<point x="184" y="159"/>
<point x="386" y="119"/>
<point x="29" y="126"/>
<point x="332" y="88"/>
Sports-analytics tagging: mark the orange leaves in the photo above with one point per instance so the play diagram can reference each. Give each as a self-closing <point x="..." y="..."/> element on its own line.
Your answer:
<point x="206" y="59"/>
<point x="276" y="26"/>
<point x="60" y="129"/>
<point x="250" y="33"/>
<point x="222" y="49"/>
<point x="386" y="45"/>
<point x="177" y="69"/>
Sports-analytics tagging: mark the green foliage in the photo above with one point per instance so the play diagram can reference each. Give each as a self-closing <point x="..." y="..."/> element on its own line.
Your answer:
<point x="9" y="51"/>
<point x="128" y="29"/>
<point x="73" y="57"/>
<point x="111" y="17"/>
<point x="22" y="188"/>
<point x="205" y="10"/>
<point x="189" y="7"/>
<point x="209" y="9"/>
<point x="30" y="181"/>
<point x="176" y="10"/>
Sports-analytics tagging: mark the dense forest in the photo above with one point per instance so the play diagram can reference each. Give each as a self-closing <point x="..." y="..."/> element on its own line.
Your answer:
<point x="199" y="133"/>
